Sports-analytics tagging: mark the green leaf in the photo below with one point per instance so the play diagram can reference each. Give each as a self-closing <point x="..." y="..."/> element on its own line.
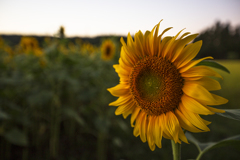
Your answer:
<point x="231" y="113"/>
<point x="17" y="137"/>
<point x="213" y="64"/>
<point x="73" y="114"/>
<point x="205" y="147"/>
<point x="4" y="115"/>
<point x="193" y="140"/>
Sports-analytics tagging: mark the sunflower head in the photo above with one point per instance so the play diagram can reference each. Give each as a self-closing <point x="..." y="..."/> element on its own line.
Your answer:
<point x="162" y="88"/>
<point x="30" y="45"/>
<point x="107" y="50"/>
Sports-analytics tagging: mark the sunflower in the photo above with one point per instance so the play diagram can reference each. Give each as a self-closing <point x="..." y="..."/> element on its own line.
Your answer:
<point x="108" y="50"/>
<point x="162" y="88"/>
<point x="30" y="45"/>
<point x="88" y="48"/>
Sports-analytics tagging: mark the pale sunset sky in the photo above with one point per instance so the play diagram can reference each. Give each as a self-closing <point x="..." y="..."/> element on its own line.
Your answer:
<point x="104" y="17"/>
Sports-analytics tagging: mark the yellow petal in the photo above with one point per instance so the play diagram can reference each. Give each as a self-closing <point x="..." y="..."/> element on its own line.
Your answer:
<point x="162" y="44"/>
<point x="131" y="48"/>
<point x="124" y="80"/>
<point x="136" y="130"/>
<point x="194" y="106"/>
<point x="156" y="40"/>
<point x="150" y="139"/>
<point x="126" y="61"/>
<point x="164" y="31"/>
<point x="139" y="44"/>
<point x="143" y="127"/>
<point x="121" y="100"/>
<point x="172" y="125"/>
<point x="163" y="122"/>
<point x="169" y="45"/>
<point x="188" y="53"/>
<point x="119" y="90"/>
<point x="192" y="63"/>
<point x="182" y="44"/>
<point x="123" y="65"/>
<point x="145" y="42"/>
<point x="194" y="118"/>
<point x="202" y="95"/>
<point x="128" y="111"/>
<point x="134" y="115"/>
<point x="156" y="31"/>
<point x="215" y="110"/>
<point x="157" y="132"/>
<point x="197" y="91"/>
<point x="150" y="42"/>
<point x="206" y="122"/>
<point x="192" y="78"/>
<point x="184" y="35"/>
<point x="176" y="46"/>
<point x="121" y="70"/>
<point x="172" y="49"/>
<point x="127" y="57"/>
<point x="182" y="135"/>
<point x="218" y="100"/>
<point x="185" y="123"/>
<point x="123" y="108"/>
<point x="200" y="71"/>
<point x="208" y="83"/>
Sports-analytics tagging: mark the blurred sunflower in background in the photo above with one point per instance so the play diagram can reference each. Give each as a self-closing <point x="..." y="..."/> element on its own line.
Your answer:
<point x="107" y="49"/>
<point x="29" y="45"/>
<point x="88" y="48"/>
<point x="163" y="89"/>
<point x="5" y="47"/>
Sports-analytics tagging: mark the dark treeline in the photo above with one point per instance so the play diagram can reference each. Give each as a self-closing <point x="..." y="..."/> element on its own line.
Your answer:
<point x="14" y="40"/>
<point x="220" y="41"/>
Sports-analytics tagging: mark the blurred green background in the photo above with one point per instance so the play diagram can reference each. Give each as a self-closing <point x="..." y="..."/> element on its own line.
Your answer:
<point x="54" y="102"/>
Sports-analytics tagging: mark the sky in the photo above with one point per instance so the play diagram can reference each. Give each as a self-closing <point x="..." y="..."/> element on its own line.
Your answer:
<point x="109" y="17"/>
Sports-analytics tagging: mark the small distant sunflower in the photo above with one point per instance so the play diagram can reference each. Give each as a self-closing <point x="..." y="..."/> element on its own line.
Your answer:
<point x="30" y="45"/>
<point x="162" y="88"/>
<point x="108" y="50"/>
<point x="88" y="48"/>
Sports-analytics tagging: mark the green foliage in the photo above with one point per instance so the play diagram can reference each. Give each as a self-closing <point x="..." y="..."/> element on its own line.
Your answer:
<point x="214" y="64"/>
<point x="54" y="95"/>
<point x="205" y="147"/>
<point x="231" y="113"/>
<point x="16" y="137"/>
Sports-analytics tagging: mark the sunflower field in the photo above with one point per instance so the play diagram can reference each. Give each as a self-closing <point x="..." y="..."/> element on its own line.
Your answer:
<point x="54" y="104"/>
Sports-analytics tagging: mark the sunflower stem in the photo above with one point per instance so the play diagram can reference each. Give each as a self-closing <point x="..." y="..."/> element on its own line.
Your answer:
<point x="176" y="149"/>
